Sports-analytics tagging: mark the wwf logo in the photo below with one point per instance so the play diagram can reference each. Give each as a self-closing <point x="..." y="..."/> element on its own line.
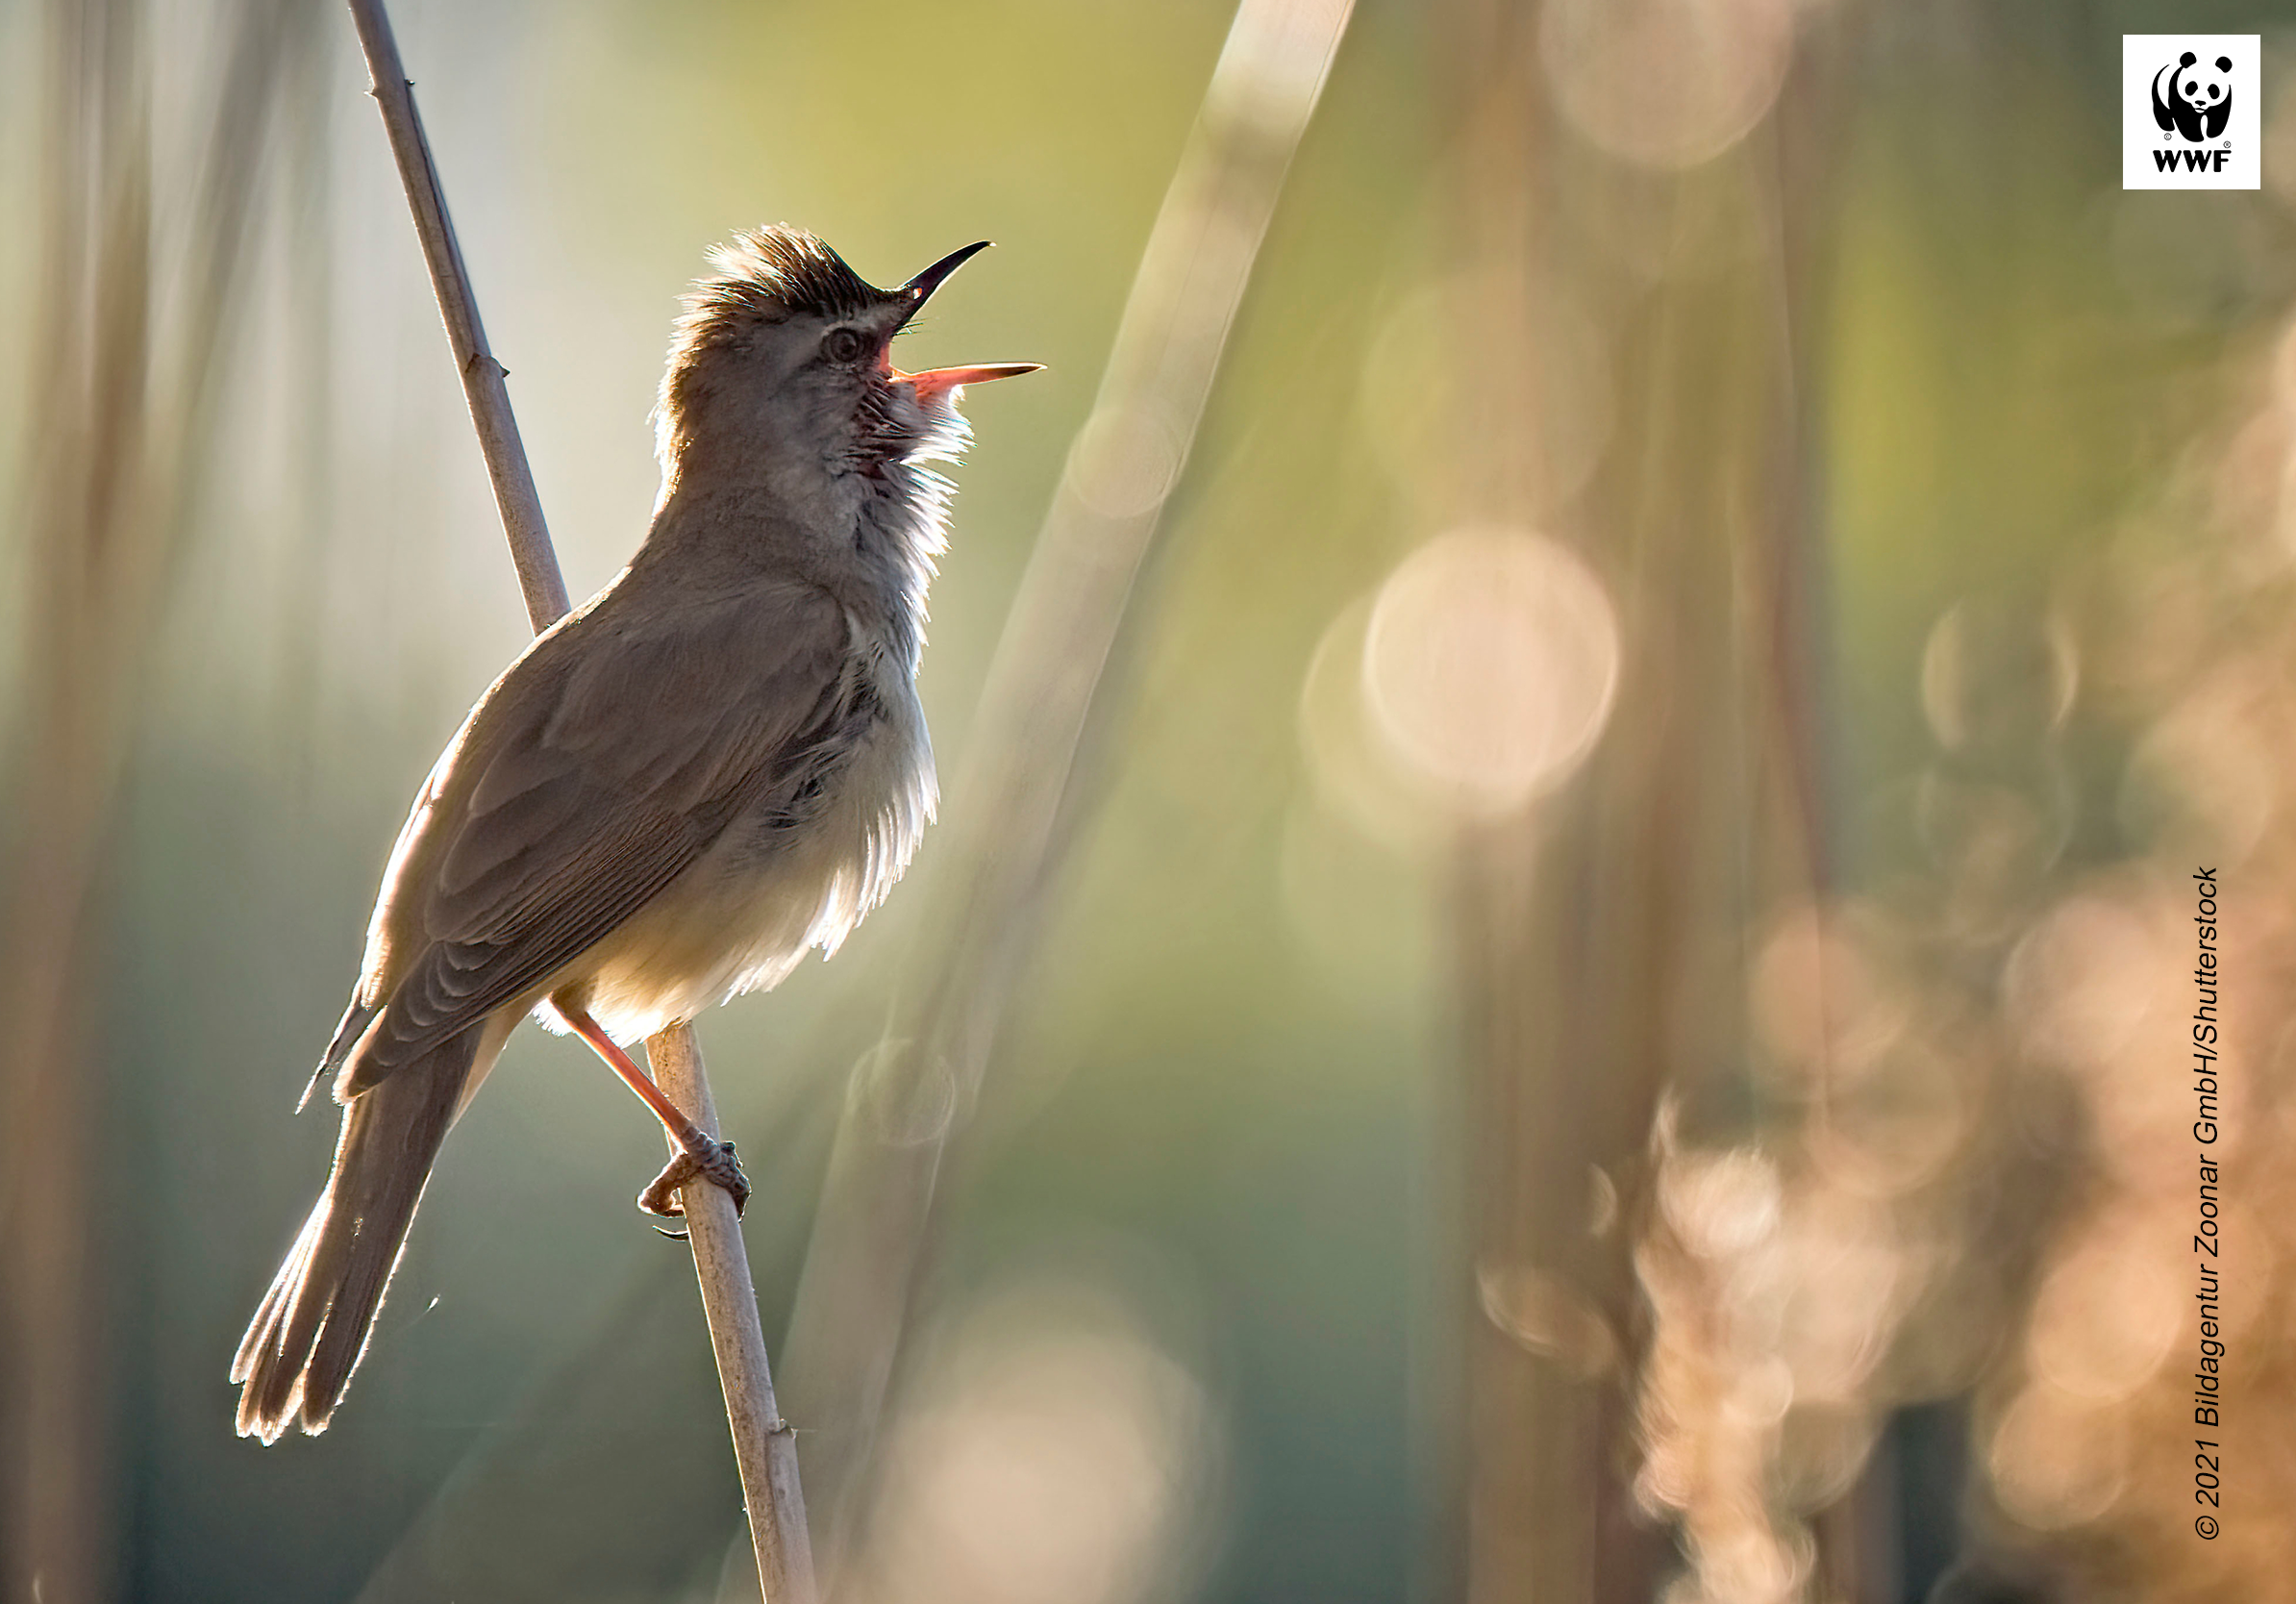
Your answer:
<point x="2193" y="100"/>
<point x="2191" y="111"/>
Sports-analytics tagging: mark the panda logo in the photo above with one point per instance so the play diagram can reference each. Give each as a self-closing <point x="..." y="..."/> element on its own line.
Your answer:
<point x="2195" y="101"/>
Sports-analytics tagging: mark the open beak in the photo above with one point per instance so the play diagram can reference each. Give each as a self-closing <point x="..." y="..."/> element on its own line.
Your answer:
<point x="941" y="381"/>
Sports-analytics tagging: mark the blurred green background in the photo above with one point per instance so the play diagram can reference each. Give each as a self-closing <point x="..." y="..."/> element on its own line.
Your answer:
<point x="1229" y="1200"/>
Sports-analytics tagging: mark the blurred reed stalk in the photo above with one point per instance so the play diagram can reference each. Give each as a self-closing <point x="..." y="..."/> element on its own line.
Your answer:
<point x="1029" y="777"/>
<point x="1547" y="1504"/>
<point x="124" y="391"/>
<point x="1601" y="936"/>
<point x="307" y="130"/>
<point x="764" y="1447"/>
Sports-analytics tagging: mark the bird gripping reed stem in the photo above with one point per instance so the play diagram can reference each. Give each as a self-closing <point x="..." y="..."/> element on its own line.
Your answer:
<point x="764" y="1447"/>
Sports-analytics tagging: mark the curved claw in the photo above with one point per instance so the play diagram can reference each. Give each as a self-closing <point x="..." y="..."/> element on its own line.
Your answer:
<point x="713" y="1162"/>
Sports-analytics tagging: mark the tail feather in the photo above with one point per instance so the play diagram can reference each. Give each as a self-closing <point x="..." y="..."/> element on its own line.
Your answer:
<point x="311" y="1328"/>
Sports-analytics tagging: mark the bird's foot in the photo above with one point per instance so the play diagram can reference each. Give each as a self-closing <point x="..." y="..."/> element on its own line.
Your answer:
<point x="712" y="1162"/>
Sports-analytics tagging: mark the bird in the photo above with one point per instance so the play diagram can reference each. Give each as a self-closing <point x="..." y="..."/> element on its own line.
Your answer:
<point x="714" y="765"/>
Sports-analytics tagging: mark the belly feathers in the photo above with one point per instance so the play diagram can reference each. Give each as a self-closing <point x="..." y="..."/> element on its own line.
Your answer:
<point x="767" y="891"/>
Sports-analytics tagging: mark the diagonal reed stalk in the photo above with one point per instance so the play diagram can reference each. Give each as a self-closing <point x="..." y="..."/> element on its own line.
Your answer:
<point x="764" y="1447"/>
<point x="1016" y="802"/>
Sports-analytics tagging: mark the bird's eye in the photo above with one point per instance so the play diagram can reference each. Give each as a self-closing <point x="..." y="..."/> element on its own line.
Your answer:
<point x="844" y="345"/>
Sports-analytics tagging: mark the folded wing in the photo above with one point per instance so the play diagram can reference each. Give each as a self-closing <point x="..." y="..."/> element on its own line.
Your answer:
<point x="597" y="769"/>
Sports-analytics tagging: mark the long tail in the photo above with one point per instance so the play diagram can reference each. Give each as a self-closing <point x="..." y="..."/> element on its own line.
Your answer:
<point x="311" y="1330"/>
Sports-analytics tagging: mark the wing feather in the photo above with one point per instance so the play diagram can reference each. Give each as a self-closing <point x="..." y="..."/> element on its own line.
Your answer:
<point x="594" y="773"/>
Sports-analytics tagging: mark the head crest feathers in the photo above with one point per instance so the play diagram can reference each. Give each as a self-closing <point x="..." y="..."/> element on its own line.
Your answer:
<point x="766" y="275"/>
<point x="771" y="274"/>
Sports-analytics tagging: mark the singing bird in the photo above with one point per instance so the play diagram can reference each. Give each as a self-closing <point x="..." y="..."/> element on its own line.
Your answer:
<point x="713" y="765"/>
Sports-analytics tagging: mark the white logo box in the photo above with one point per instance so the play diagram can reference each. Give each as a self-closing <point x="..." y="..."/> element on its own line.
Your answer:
<point x="2155" y="82"/>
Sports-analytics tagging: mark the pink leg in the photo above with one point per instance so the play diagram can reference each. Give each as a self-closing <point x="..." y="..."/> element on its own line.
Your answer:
<point x="697" y="1154"/>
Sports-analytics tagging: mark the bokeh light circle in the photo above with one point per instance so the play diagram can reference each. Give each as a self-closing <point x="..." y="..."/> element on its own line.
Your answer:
<point x="1490" y="662"/>
<point x="2107" y="1313"/>
<point x="1125" y="461"/>
<point x="1997" y="674"/>
<point x="2057" y="1461"/>
<point x="1667" y="83"/>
